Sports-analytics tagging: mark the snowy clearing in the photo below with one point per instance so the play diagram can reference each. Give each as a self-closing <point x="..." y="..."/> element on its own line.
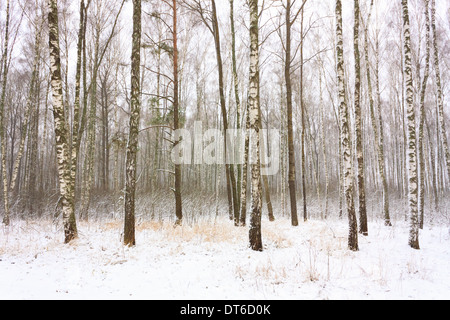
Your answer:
<point x="207" y="261"/>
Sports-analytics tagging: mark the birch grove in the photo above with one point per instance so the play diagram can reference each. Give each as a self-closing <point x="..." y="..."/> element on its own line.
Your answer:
<point x="347" y="102"/>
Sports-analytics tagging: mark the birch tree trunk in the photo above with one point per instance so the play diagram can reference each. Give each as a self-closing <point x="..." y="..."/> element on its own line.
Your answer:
<point x="363" y="228"/>
<point x="6" y="218"/>
<point x="176" y="120"/>
<point x="132" y="147"/>
<point x="265" y="179"/>
<point x="253" y="109"/>
<point x="440" y="97"/>
<point x="423" y="92"/>
<point x="67" y="189"/>
<point x="345" y="131"/>
<point x="76" y="141"/>
<point x="237" y="101"/>
<point x="411" y="123"/>
<point x="379" y="147"/>
<point x="243" y="216"/>
<point x="35" y="95"/>
<point x="291" y="150"/>
<point x="380" y="142"/>
<point x="91" y="132"/>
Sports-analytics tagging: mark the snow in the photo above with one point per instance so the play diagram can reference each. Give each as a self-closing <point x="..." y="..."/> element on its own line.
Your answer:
<point x="208" y="261"/>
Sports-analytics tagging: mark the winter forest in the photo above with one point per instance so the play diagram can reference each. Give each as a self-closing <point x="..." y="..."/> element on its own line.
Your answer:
<point x="198" y="149"/>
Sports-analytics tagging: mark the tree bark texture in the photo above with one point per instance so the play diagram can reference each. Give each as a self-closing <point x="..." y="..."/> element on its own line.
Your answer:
<point x="411" y="126"/>
<point x="67" y="190"/>
<point x="345" y="132"/>
<point x="253" y="109"/>
<point x="132" y="147"/>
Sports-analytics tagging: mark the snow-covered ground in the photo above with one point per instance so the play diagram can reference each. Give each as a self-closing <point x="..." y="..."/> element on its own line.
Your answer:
<point x="212" y="261"/>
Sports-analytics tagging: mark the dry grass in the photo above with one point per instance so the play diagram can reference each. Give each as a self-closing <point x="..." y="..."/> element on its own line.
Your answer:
<point x="201" y="231"/>
<point x="277" y="239"/>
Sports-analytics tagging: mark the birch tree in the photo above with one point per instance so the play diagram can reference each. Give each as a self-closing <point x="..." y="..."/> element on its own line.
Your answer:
<point x="423" y="92"/>
<point x="176" y="115"/>
<point x="132" y="146"/>
<point x="440" y="95"/>
<point x="77" y="126"/>
<point x="411" y="123"/>
<point x="238" y="104"/>
<point x="376" y="131"/>
<point x="66" y="188"/>
<point x="6" y="218"/>
<point x="291" y="150"/>
<point x="358" y="127"/>
<point x="243" y="214"/>
<point x="345" y="133"/>
<point x="254" y="115"/>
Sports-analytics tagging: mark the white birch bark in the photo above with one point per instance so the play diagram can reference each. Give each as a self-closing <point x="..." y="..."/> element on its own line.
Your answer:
<point x="358" y="127"/>
<point x="423" y="115"/>
<point x="411" y="125"/>
<point x="254" y="115"/>
<point x="345" y="132"/>
<point x="6" y="218"/>
<point x="61" y="133"/>
<point x="440" y="96"/>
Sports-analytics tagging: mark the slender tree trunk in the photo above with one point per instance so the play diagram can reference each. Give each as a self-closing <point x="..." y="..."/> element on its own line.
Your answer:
<point x="283" y="144"/>
<point x="440" y="96"/>
<point x="34" y="127"/>
<point x="324" y="150"/>
<point x="243" y="217"/>
<point x="6" y="218"/>
<point x="238" y="103"/>
<point x="132" y="147"/>
<point x="291" y="150"/>
<point x="176" y="116"/>
<point x="67" y="190"/>
<point x="231" y="178"/>
<point x="91" y="132"/>
<point x="381" y="156"/>
<point x="75" y="146"/>
<point x="83" y="115"/>
<point x="303" y="134"/>
<point x="379" y="147"/>
<point x="423" y="116"/>
<point x="363" y="228"/>
<point x="433" y="167"/>
<point x="345" y="129"/>
<point x="265" y="179"/>
<point x="412" y="150"/>
<point x="253" y="109"/>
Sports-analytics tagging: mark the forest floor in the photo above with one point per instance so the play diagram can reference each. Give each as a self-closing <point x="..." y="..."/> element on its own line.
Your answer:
<point x="211" y="260"/>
